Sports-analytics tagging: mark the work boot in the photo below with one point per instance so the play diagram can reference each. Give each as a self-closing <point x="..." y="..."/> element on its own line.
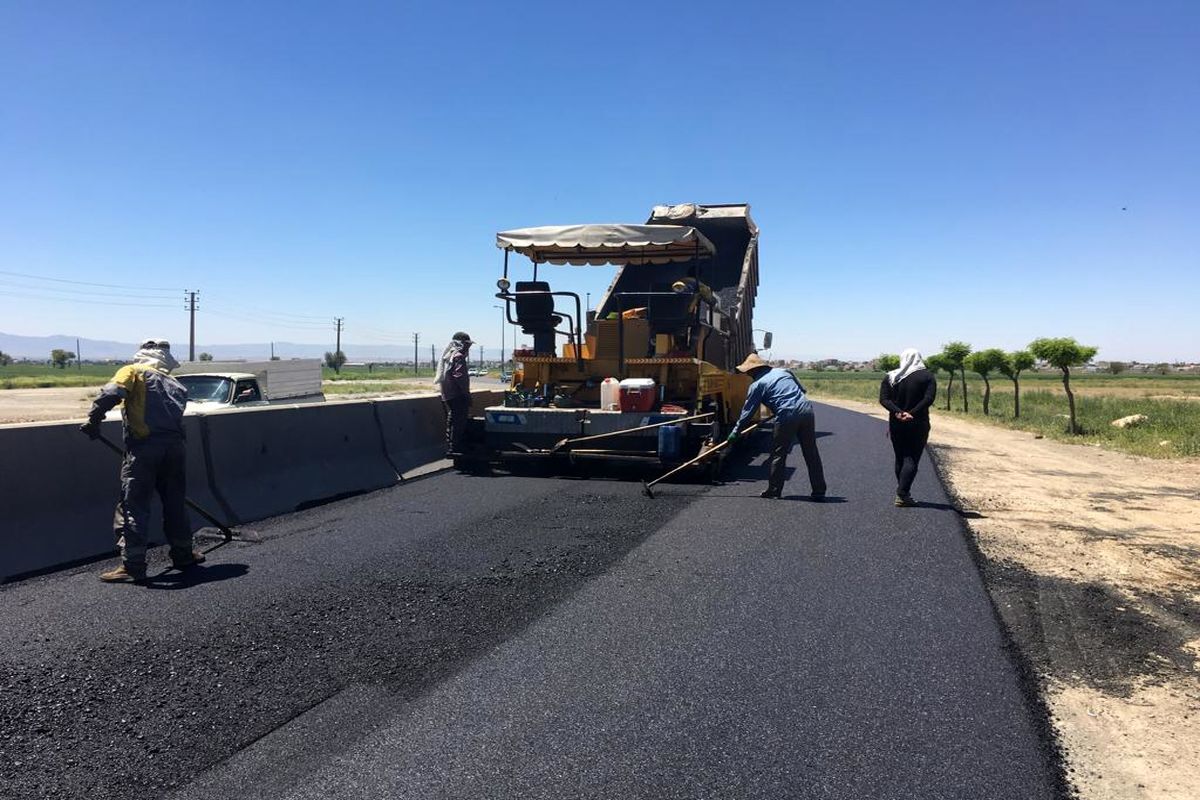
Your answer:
<point x="771" y="494"/>
<point x="904" y="502"/>
<point x="124" y="574"/>
<point x="183" y="563"/>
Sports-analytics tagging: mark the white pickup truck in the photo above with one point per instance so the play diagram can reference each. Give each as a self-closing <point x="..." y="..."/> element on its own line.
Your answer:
<point x="224" y="384"/>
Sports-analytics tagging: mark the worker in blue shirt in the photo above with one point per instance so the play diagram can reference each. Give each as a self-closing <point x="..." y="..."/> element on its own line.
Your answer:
<point x="778" y="390"/>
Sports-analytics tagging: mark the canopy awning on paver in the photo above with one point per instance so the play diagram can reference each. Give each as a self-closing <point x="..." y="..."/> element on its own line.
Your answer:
<point x="607" y="244"/>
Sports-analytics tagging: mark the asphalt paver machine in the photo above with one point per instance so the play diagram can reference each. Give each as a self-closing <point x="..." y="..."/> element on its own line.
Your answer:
<point x="647" y="375"/>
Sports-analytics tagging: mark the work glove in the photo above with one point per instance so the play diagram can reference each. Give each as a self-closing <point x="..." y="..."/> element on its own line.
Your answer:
<point x="733" y="437"/>
<point x="90" y="429"/>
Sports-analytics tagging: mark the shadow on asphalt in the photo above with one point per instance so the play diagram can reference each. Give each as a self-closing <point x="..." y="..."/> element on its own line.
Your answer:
<point x="808" y="498"/>
<point x="964" y="513"/>
<point x="194" y="576"/>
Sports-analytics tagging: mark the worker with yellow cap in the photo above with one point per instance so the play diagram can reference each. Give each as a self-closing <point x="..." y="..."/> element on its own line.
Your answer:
<point x="778" y="390"/>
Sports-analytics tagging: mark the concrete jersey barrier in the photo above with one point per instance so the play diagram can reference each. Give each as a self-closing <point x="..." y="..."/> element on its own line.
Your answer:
<point x="58" y="491"/>
<point x="274" y="460"/>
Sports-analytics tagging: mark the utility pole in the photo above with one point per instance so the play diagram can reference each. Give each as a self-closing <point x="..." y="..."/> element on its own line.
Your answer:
<point x="272" y="351"/>
<point x="416" y="342"/>
<point x="78" y="355"/>
<point x="432" y="357"/>
<point x="191" y="307"/>
<point x="338" y="323"/>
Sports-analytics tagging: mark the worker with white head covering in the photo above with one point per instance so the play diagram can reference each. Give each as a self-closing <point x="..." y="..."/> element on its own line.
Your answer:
<point x="155" y="457"/>
<point x="780" y="391"/>
<point x="454" y="383"/>
<point x="908" y="392"/>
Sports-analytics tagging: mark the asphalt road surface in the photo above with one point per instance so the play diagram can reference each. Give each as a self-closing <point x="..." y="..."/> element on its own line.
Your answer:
<point x="516" y="637"/>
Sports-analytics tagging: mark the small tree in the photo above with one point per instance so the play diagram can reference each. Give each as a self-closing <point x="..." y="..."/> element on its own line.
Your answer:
<point x="5" y="359"/>
<point x="955" y="357"/>
<point x="60" y="358"/>
<point x="937" y="363"/>
<point x="886" y="362"/>
<point x="206" y="357"/>
<point x="1117" y="367"/>
<point x="335" y="360"/>
<point x="1011" y="367"/>
<point x="1064" y="353"/>
<point x="985" y="362"/>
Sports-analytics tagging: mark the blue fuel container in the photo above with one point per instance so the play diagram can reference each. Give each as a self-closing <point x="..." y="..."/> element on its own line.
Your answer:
<point x="670" y="442"/>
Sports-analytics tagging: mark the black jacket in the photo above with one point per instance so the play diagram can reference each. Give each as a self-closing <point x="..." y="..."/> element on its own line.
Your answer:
<point x="915" y="394"/>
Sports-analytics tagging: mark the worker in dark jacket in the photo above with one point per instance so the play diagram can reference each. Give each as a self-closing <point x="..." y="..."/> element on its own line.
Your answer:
<point x="778" y="390"/>
<point x="155" y="458"/>
<point x="454" y="382"/>
<point x="908" y="393"/>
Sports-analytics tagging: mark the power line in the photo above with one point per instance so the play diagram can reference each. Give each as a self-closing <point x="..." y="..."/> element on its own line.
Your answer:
<point x="82" y="292"/>
<point x="268" y="322"/>
<point x="86" y="283"/>
<point x="81" y="301"/>
<point x="260" y="312"/>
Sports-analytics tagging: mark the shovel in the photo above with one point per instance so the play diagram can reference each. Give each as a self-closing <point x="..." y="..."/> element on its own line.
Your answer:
<point x="225" y="530"/>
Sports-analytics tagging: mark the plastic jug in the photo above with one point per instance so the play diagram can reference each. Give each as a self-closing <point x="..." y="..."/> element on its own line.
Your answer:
<point x="670" y="442"/>
<point x="610" y="397"/>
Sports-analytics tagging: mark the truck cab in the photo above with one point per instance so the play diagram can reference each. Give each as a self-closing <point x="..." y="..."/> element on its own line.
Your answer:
<point x="221" y="390"/>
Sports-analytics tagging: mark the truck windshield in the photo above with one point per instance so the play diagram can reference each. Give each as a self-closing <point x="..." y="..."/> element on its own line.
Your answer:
<point x="206" y="388"/>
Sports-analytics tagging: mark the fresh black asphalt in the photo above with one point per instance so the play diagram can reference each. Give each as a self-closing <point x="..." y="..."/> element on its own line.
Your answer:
<point x="518" y="637"/>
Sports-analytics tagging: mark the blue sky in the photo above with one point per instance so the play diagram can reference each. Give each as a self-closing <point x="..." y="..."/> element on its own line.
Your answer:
<point x="920" y="171"/>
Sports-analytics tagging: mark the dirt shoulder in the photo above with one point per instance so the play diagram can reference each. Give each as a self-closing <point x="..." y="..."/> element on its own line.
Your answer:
<point x="1092" y="559"/>
<point x="45" y="405"/>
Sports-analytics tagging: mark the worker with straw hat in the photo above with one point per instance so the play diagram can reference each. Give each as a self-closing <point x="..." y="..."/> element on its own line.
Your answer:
<point x="778" y="390"/>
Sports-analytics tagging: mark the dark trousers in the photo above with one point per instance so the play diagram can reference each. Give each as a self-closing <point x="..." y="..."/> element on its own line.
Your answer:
<point x="458" y="409"/>
<point x="802" y="427"/>
<point x="908" y="443"/>
<point x="150" y="467"/>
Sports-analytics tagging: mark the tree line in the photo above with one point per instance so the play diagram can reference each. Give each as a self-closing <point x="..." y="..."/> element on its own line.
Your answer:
<point x="958" y="357"/>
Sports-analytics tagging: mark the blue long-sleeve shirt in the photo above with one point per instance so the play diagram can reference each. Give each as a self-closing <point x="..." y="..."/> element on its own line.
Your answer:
<point x="779" y="391"/>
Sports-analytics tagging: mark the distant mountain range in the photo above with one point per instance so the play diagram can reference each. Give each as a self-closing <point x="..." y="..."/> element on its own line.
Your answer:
<point x="39" y="347"/>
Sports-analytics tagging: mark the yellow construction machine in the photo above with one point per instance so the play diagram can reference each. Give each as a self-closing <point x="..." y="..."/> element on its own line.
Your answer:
<point x="647" y="376"/>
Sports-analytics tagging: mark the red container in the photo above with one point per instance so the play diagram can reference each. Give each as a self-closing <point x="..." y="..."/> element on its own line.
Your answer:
<point x="637" y="394"/>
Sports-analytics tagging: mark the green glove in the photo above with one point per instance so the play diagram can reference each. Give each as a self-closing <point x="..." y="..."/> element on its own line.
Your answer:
<point x="733" y="437"/>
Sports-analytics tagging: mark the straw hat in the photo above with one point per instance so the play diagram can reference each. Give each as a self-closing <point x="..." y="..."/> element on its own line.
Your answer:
<point x="752" y="362"/>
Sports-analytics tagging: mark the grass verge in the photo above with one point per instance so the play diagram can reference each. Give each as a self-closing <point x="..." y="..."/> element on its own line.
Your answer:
<point x="1172" y="429"/>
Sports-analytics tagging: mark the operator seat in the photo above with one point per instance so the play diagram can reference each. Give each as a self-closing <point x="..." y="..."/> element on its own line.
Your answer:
<point x="535" y="314"/>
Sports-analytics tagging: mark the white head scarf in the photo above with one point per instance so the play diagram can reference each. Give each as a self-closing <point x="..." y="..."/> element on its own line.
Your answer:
<point x="456" y="346"/>
<point x="910" y="362"/>
<point x="156" y="353"/>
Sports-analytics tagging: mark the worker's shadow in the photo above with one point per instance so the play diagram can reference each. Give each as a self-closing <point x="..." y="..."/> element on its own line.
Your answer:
<point x="194" y="576"/>
<point x="962" y="512"/>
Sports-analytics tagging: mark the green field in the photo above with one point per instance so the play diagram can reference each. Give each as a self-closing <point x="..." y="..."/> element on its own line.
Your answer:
<point x="41" y="376"/>
<point x="1099" y="399"/>
<point x="380" y="373"/>
<point x="391" y="387"/>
